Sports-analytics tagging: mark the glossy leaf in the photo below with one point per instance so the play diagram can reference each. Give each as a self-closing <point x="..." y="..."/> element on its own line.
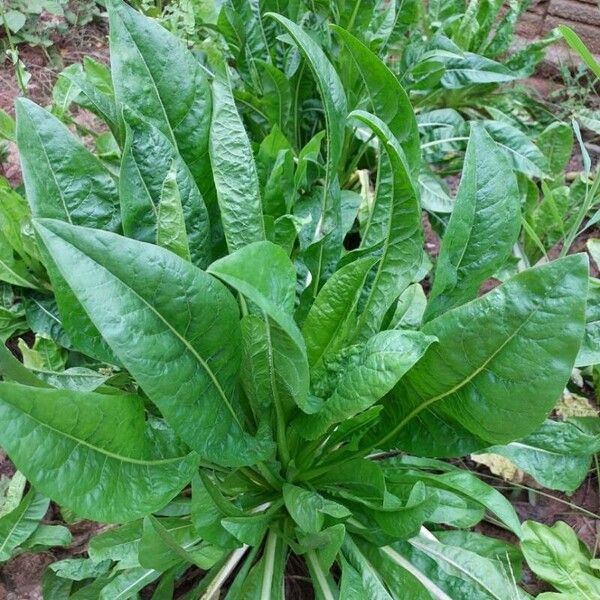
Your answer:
<point x="483" y="227"/>
<point x="401" y="239"/>
<point x="234" y="171"/>
<point x="386" y="357"/>
<point x="190" y="324"/>
<point x="158" y="192"/>
<point x="67" y="431"/>
<point x="491" y="352"/>
<point x="155" y="75"/>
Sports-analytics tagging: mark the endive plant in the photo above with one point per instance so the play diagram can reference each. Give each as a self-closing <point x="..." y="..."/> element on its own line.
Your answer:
<point x="266" y="385"/>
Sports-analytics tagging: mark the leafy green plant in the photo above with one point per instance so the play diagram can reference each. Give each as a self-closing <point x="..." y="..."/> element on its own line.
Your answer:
<point x="557" y="556"/>
<point x="258" y="371"/>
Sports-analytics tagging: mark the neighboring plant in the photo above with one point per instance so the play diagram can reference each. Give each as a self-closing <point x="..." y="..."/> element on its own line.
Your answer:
<point x="35" y="21"/>
<point x="243" y="365"/>
<point x="557" y="556"/>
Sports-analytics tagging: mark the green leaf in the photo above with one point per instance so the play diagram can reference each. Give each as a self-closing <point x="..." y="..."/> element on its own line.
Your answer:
<point x="490" y="353"/>
<point x="331" y="317"/>
<point x="123" y="477"/>
<point x="557" y="455"/>
<point x="20" y="523"/>
<point x="468" y="69"/>
<point x="150" y="167"/>
<point x="589" y="353"/>
<point x="264" y="274"/>
<point x="386" y="357"/>
<point x="63" y="180"/>
<point x="126" y="584"/>
<point x="555" y="555"/>
<point x="326" y="242"/>
<point x="48" y="536"/>
<point x="308" y="508"/>
<point x="119" y="544"/>
<point x="575" y="42"/>
<point x="158" y="77"/>
<point x="488" y="577"/>
<point x="187" y="350"/>
<point x="556" y="142"/>
<point x="170" y="223"/>
<point x="388" y="99"/>
<point x="371" y="585"/>
<point x="7" y="126"/>
<point x="401" y="234"/>
<point x="483" y="227"/>
<point x="12" y="269"/>
<point x="523" y="154"/>
<point x="234" y="172"/>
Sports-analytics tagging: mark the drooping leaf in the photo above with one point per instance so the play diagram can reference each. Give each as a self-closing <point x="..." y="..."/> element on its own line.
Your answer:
<point x="490" y="353"/>
<point x="90" y="452"/>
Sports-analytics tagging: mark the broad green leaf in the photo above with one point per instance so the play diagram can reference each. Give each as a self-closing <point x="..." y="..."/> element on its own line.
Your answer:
<point x="410" y="308"/>
<point x="331" y="317"/>
<point x="386" y="357"/>
<point x="153" y="179"/>
<point x="13" y="370"/>
<point x="126" y="584"/>
<point x="434" y="195"/>
<point x="63" y="180"/>
<point x="555" y="555"/>
<point x="155" y="75"/>
<point x="389" y="100"/>
<point x="123" y="477"/>
<point x="20" y="523"/>
<point x="491" y="352"/>
<point x="264" y="274"/>
<point x="11" y="492"/>
<point x="463" y="483"/>
<point x="556" y="142"/>
<point x="557" y="455"/>
<point x="119" y="544"/>
<point x="370" y="578"/>
<point x="48" y="536"/>
<point x="523" y="154"/>
<point x="7" y="127"/>
<point x="483" y="226"/>
<point x="186" y="351"/>
<point x="12" y="269"/>
<point x="468" y="69"/>
<point x="401" y="238"/>
<point x="234" y="172"/>
<point x="78" y="569"/>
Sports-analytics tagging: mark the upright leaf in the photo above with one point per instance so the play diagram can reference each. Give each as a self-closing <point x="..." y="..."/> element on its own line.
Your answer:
<point x="90" y="452"/>
<point x="483" y="227"/>
<point x="234" y="172"/>
<point x="63" y="180"/>
<point x="321" y="258"/>
<point x="158" y="77"/>
<point x="401" y="239"/>
<point x="148" y="160"/>
<point x="389" y="100"/>
<point x="186" y="349"/>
